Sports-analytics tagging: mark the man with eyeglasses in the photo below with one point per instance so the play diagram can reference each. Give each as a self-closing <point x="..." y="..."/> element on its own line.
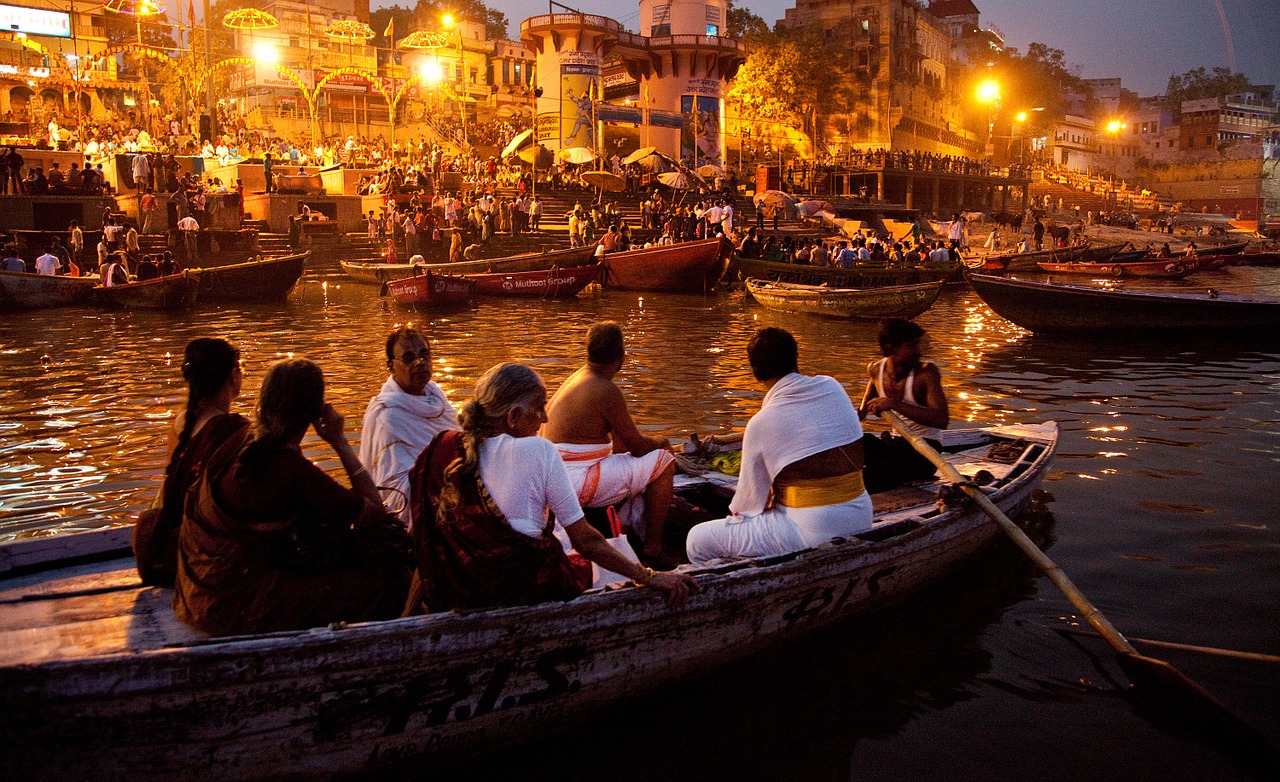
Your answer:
<point x="400" y="422"/>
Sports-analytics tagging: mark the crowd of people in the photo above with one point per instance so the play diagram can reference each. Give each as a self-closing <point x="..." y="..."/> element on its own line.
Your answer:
<point x="487" y="505"/>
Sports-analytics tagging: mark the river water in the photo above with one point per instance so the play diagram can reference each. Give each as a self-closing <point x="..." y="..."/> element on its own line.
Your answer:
<point x="1160" y="507"/>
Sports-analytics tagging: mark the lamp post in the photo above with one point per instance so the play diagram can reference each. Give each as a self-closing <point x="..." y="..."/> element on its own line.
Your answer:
<point x="1113" y="129"/>
<point x="449" y="23"/>
<point x="989" y="93"/>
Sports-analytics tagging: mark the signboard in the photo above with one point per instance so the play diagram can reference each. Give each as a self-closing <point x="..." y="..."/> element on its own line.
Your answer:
<point x="548" y="126"/>
<point x="34" y="21"/>
<point x="579" y="89"/>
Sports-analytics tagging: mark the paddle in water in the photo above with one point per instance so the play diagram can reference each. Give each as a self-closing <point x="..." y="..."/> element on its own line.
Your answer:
<point x="1149" y="676"/>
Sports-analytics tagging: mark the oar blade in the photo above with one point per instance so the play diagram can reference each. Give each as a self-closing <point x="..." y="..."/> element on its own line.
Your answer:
<point x="1177" y="696"/>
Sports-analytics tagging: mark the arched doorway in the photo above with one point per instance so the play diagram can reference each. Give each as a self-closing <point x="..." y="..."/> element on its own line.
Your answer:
<point x="20" y="98"/>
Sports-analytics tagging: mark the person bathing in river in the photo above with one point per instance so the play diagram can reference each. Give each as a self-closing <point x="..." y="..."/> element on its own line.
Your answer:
<point x="269" y="542"/>
<point x="482" y="537"/>
<point x="608" y="459"/>
<point x="901" y="382"/>
<point x="408" y="411"/>
<point x="801" y="479"/>
<point x="211" y="368"/>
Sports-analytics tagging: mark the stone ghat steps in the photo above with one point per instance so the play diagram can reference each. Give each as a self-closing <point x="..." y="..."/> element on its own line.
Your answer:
<point x="1071" y="197"/>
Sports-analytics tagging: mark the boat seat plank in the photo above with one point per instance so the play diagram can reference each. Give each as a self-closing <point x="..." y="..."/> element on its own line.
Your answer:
<point x="120" y="573"/>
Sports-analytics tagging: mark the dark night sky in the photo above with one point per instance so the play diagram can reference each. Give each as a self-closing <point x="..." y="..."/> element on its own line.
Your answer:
<point x="1141" y="41"/>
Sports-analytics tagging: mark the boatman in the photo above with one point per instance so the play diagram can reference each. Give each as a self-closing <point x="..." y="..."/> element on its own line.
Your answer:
<point x="912" y="388"/>
<point x="801" y="479"/>
<point x="400" y="422"/>
<point x="608" y="460"/>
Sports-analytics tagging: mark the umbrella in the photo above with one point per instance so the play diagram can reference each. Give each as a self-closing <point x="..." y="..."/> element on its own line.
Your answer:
<point x="424" y="39"/>
<point x="537" y="152"/>
<point x="677" y="180"/>
<point x="775" y="198"/>
<point x="521" y="140"/>
<point x="711" y="170"/>
<point x="659" y="163"/>
<point x="249" y="19"/>
<point x="512" y="110"/>
<point x="812" y="207"/>
<point x="575" y="155"/>
<point x="605" y="180"/>
<point x="349" y="30"/>
<point x="638" y="155"/>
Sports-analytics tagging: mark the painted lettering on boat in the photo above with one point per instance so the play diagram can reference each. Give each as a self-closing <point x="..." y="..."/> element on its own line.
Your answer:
<point x="471" y="691"/>
<point x="832" y="598"/>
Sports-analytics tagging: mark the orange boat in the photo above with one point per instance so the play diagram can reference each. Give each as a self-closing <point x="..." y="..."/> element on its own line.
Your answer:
<point x="553" y="283"/>
<point x="1169" y="268"/>
<point x="433" y="289"/>
<point x="693" y="267"/>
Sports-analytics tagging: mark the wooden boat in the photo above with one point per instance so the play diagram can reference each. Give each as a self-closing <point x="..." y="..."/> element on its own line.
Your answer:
<point x="1259" y="258"/>
<point x="836" y="277"/>
<point x="692" y="267"/>
<point x="1101" y="253"/>
<point x="1051" y="308"/>
<point x="99" y="680"/>
<point x="549" y="284"/>
<point x="174" y="292"/>
<point x="22" y="290"/>
<point x="1169" y="269"/>
<point x="432" y="289"/>
<point x="891" y="301"/>
<point x="266" y="279"/>
<point x="381" y="273"/>
<point x="1026" y="262"/>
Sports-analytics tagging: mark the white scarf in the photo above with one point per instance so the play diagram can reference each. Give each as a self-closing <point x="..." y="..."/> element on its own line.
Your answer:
<point x="800" y="416"/>
<point x="397" y="428"/>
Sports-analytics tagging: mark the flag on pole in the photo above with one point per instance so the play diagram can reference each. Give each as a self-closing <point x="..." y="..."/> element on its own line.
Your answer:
<point x="309" y="29"/>
<point x="191" y="17"/>
<point x="391" y="28"/>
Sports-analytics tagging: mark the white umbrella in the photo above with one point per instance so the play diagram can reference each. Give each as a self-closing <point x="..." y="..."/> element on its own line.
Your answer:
<point x="711" y="170"/>
<point x="517" y="143"/>
<point x="775" y="198"/>
<point x="674" y="179"/>
<point x="575" y="155"/>
<point x="638" y="155"/>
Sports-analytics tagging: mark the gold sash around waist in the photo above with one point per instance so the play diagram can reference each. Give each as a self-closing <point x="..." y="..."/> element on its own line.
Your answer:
<point x="817" y="492"/>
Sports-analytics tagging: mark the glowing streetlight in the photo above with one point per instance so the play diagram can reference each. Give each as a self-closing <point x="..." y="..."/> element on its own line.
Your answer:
<point x="1115" y="126"/>
<point x="989" y="91"/>
<point x="1021" y="116"/>
<point x="266" y="54"/>
<point x="447" y="20"/>
<point x="431" y="72"/>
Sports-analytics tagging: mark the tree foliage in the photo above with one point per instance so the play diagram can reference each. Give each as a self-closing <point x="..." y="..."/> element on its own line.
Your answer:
<point x="1040" y="82"/>
<point x="783" y="79"/>
<point x="1199" y="83"/>
<point x="742" y="23"/>
<point x="495" y="22"/>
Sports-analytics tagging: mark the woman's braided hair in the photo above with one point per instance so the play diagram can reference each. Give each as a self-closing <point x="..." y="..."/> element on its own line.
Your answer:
<point x="292" y="396"/>
<point x="503" y="388"/>
<point x="207" y="363"/>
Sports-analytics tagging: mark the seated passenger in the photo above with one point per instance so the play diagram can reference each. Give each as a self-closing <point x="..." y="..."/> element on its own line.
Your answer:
<point x="481" y="533"/>
<point x="270" y="542"/>
<point x="608" y="460"/>
<point x="902" y="383"/>
<point x="402" y="419"/>
<point x="801" y="479"/>
<point x="211" y="368"/>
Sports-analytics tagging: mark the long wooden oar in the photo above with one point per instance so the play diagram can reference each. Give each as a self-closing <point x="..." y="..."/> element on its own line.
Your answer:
<point x="1155" y="677"/>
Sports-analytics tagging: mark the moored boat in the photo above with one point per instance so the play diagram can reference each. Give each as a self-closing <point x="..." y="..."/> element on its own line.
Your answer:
<point x="1169" y="269"/>
<point x="23" y="290"/>
<point x="98" y="678"/>
<point x="552" y="283"/>
<point x="266" y="279"/>
<point x="174" y="292"/>
<point x="1026" y="262"/>
<point x="895" y="301"/>
<point x="381" y="273"/>
<point x="432" y="289"/>
<point x="1070" y="309"/>
<point x="837" y="277"/>
<point x="692" y="267"/>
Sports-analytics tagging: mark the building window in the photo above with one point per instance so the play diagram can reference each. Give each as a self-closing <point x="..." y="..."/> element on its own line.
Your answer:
<point x="866" y="25"/>
<point x="660" y="31"/>
<point x="506" y="71"/>
<point x="713" y="30"/>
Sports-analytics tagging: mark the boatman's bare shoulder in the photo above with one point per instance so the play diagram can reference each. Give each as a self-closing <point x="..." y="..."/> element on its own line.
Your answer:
<point x="582" y="408"/>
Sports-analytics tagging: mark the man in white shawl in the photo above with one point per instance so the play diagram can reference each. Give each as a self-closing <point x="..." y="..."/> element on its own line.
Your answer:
<point x="400" y="422"/>
<point x="801" y="479"/>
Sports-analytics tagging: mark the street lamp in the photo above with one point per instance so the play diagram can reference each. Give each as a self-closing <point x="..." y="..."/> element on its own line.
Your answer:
<point x="449" y="23"/>
<point x="988" y="92"/>
<point x="1113" y="129"/>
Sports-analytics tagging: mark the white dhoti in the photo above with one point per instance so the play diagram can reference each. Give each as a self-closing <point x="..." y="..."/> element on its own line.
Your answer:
<point x="779" y="530"/>
<point x="602" y="477"/>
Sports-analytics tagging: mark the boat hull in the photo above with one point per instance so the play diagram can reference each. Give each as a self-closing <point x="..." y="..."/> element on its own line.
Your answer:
<point x="691" y="267"/>
<point x="380" y="273"/>
<point x="268" y="279"/>
<point x="433" y="290"/>
<point x="1171" y="269"/>
<point x="1067" y="309"/>
<point x="898" y="301"/>
<point x="350" y="698"/>
<point x="554" y="283"/>
<point x="22" y="290"/>
<point x="836" y="277"/>
<point x="1028" y="262"/>
<point x="175" y="292"/>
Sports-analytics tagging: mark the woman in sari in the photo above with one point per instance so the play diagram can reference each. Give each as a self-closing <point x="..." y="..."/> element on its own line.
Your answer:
<point x="211" y="368"/>
<point x="270" y="542"/>
<point x="482" y="537"/>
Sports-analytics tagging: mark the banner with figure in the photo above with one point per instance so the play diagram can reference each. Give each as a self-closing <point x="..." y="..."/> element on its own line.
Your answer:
<point x="700" y="136"/>
<point x="579" y="89"/>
